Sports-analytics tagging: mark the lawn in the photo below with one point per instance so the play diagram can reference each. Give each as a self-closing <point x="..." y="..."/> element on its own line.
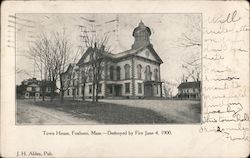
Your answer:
<point x="109" y="112"/>
<point x="106" y="113"/>
<point x="175" y="111"/>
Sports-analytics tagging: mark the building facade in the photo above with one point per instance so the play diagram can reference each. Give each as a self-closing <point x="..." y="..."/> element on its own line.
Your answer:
<point x="32" y="87"/>
<point x="189" y="90"/>
<point x="134" y="73"/>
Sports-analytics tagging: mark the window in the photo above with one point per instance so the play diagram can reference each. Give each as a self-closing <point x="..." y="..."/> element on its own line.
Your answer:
<point x="100" y="73"/>
<point x="74" y="74"/>
<point x="49" y="89"/>
<point x="110" y="89"/>
<point x="139" y="87"/>
<point x="100" y="88"/>
<point x="68" y="91"/>
<point x="29" y="89"/>
<point x="127" y="71"/>
<point x="90" y="89"/>
<point x="82" y="90"/>
<point x="90" y="74"/>
<point x="77" y="90"/>
<point x="156" y="75"/>
<point x="148" y="73"/>
<point x="33" y="89"/>
<point x="127" y="87"/>
<point x="139" y="67"/>
<point x="83" y="75"/>
<point x="118" y="73"/>
<point x="37" y="88"/>
<point x="111" y="72"/>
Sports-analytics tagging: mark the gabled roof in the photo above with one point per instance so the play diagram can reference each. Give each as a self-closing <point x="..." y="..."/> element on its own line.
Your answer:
<point x="189" y="85"/>
<point x="124" y="54"/>
<point x="150" y="47"/>
<point x="127" y="52"/>
<point x="71" y="65"/>
<point x="84" y="55"/>
<point x="88" y="51"/>
<point x="137" y="51"/>
<point x="33" y="84"/>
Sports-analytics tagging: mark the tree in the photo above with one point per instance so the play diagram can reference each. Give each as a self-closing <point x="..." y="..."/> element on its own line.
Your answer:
<point x="193" y="68"/>
<point x="53" y="51"/>
<point x="97" y="58"/>
<point x="190" y="40"/>
<point x="168" y="88"/>
<point x="84" y="74"/>
<point x="61" y="49"/>
<point x="39" y="52"/>
<point x="99" y="51"/>
<point x="191" y="37"/>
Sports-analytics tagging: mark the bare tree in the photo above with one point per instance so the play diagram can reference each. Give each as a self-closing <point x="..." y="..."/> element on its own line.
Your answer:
<point x="168" y="88"/>
<point x="39" y="52"/>
<point x="193" y="68"/>
<point x="61" y="50"/>
<point x="54" y="53"/>
<point x="191" y="41"/>
<point x="84" y="72"/>
<point x="99" y="50"/>
<point x="192" y="36"/>
<point x="96" y="58"/>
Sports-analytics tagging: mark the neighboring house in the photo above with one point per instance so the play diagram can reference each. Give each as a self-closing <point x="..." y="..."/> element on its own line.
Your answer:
<point x="189" y="90"/>
<point x="31" y="88"/>
<point x="134" y="73"/>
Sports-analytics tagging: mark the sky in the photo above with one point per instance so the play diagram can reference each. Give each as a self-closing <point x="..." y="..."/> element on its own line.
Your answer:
<point x="167" y="34"/>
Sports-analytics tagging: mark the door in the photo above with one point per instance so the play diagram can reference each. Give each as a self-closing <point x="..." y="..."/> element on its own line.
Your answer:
<point x="148" y="90"/>
<point x="118" y="90"/>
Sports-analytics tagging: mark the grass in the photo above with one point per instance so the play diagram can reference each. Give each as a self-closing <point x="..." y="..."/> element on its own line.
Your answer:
<point x="106" y="113"/>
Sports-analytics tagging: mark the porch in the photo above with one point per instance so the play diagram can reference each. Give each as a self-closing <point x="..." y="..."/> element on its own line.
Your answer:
<point x="152" y="89"/>
<point x="114" y="90"/>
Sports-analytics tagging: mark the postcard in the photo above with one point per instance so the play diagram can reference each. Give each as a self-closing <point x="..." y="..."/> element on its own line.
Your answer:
<point x="125" y="79"/>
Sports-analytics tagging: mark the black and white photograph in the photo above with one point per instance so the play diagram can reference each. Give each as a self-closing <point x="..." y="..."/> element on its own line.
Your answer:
<point x="107" y="68"/>
<point x="120" y="79"/>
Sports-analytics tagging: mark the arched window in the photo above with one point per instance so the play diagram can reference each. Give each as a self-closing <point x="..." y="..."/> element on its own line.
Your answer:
<point x="139" y="68"/>
<point x="118" y="73"/>
<point x="127" y="71"/>
<point x="148" y="73"/>
<point x="156" y="75"/>
<point x="90" y="74"/>
<point x="111" y="72"/>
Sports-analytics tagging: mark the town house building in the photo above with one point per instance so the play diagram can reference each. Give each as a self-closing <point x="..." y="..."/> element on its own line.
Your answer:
<point x="134" y="73"/>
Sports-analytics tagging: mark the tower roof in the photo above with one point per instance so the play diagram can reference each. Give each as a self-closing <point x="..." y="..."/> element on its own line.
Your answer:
<point x="141" y="27"/>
